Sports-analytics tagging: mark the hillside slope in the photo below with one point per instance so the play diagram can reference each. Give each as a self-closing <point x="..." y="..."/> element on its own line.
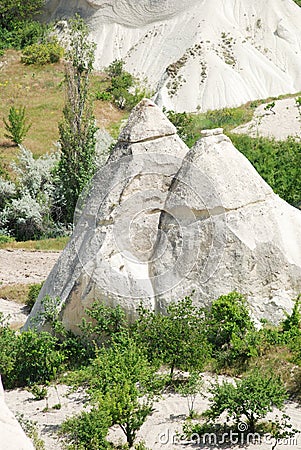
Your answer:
<point x="198" y="54"/>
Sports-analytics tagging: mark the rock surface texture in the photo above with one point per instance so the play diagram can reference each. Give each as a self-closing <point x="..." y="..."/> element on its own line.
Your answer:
<point x="117" y="221"/>
<point x="12" y="437"/>
<point x="239" y="234"/>
<point x="205" y="54"/>
<point x="160" y="222"/>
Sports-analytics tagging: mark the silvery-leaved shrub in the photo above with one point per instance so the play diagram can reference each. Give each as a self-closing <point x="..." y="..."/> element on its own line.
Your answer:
<point x="26" y="206"/>
<point x="7" y="192"/>
<point x="35" y="175"/>
<point x="24" y="217"/>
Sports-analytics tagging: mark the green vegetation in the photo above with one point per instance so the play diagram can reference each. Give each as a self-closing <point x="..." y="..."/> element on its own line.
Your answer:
<point x="120" y="370"/>
<point x="42" y="53"/>
<point x="77" y="130"/>
<point x="51" y="244"/>
<point x="33" y="293"/>
<point x="251" y="398"/>
<point x="120" y="87"/>
<point x="16" y="124"/>
<point x="17" y="25"/>
<point x="176" y="339"/>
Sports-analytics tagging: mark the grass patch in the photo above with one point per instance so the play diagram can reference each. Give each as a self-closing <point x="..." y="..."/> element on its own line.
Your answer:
<point x="52" y="244"/>
<point x="41" y="90"/>
<point x="15" y="292"/>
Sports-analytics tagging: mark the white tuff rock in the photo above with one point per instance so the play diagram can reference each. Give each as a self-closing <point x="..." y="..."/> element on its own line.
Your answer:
<point x="205" y="54"/>
<point x="239" y="235"/>
<point x="117" y="222"/>
<point x="12" y="437"/>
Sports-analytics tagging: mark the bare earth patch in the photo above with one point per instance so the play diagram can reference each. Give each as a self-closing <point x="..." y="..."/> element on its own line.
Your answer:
<point x="19" y="266"/>
<point x="285" y="121"/>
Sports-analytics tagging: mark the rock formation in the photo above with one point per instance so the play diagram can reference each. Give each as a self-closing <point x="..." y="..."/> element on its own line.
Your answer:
<point x="205" y="54"/>
<point x="117" y="222"/>
<point x="12" y="437"/>
<point x="239" y="235"/>
<point x="160" y="222"/>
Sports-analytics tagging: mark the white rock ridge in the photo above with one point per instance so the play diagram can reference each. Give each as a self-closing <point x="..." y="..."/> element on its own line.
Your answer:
<point x="198" y="54"/>
<point x="160" y="222"/>
<point x="12" y="437"/>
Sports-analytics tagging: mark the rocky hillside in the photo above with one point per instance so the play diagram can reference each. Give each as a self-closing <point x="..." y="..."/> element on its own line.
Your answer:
<point x="198" y="54"/>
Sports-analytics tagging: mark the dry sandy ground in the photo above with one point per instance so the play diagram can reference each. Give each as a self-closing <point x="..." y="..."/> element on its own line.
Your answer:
<point x="161" y="431"/>
<point x="24" y="267"/>
<point x="20" y="266"/>
<point x="284" y="122"/>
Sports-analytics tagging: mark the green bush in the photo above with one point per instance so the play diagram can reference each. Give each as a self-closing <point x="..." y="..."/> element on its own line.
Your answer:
<point x="87" y="431"/>
<point x="124" y="89"/>
<point x="33" y="293"/>
<point x="22" y="34"/>
<point x="250" y="399"/>
<point x="185" y="126"/>
<point x="44" y="53"/>
<point x="4" y="239"/>
<point x="176" y="339"/>
<point x="29" y="357"/>
<point x="16" y="124"/>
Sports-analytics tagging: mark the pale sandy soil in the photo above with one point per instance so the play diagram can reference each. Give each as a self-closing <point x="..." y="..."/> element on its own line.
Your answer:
<point x="20" y="266"/>
<point x="161" y="431"/>
<point x="285" y="122"/>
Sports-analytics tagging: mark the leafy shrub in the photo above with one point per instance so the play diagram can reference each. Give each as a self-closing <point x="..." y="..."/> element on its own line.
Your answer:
<point x="39" y="392"/>
<point x="22" y="34"/>
<point x="124" y="89"/>
<point x="29" y="357"/>
<point x="44" y="53"/>
<point x="120" y="377"/>
<point x="176" y="339"/>
<point x="250" y="399"/>
<point x="231" y="331"/>
<point x="227" y="316"/>
<point x="106" y="322"/>
<point x="27" y="206"/>
<point x="87" y="431"/>
<point x="184" y="124"/>
<point x="4" y="239"/>
<point x="17" y="26"/>
<point x="33" y="293"/>
<point x="16" y="124"/>
<point x="7" y="191"/>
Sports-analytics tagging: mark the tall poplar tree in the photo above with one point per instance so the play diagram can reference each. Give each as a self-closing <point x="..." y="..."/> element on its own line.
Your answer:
<point x="77" y="129"/>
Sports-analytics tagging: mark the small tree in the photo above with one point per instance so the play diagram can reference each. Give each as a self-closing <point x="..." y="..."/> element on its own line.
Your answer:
<point x="120" y="376"/>
<point x="16" y="125"/>
<point x="177" y="338"/>
<point x="227" y="316"/>
<point x="190" y="388"/>
<point x="250" y="399"/>
<point x="77" y="130"/>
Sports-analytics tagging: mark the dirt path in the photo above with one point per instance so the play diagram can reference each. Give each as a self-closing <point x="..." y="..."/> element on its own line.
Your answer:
<point x="20" y="266"/>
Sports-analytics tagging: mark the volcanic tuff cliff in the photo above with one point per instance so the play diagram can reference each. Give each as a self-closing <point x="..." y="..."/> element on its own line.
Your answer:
<point x="160" y="221"/>
<point x="198" y="54"/>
